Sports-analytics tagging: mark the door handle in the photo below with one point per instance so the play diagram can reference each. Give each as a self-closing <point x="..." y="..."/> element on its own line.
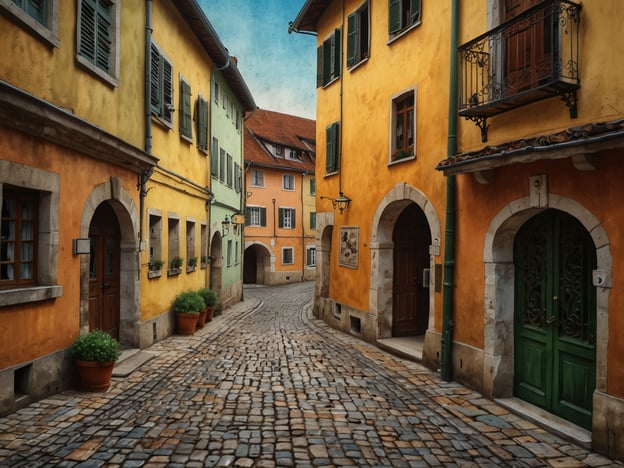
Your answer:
<point x="551" y="320"/>
<point x="104" y="286"/>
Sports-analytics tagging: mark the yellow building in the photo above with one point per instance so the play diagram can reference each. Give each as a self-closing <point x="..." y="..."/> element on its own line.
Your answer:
<point x="279" y="204"/>
<point x="104" y="172"/>
<point x="381" y="128"/>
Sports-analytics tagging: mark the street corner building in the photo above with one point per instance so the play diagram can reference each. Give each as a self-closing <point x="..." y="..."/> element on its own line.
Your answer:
<point x="468" y="193"/>
<point x="280" y="213"/>
<point x="106" y="187"/>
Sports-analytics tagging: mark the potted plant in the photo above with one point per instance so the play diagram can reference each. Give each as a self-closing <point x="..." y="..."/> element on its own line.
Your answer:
<point x="191" y="264"/>
<point x="156" y="265"/>
<point x="186" y="307"/>
<point x="95" y="354"/>
<point x="210" y="299"/>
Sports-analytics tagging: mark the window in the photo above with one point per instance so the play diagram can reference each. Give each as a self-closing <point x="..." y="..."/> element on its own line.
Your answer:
<point x="403" y="127"/>
<point x="402" y="14"/>
<point x="39" y="16"/>
<point x="288" y="257"/>
<point x="291" y="154"/>
<point x="287" y="218"/>
<point x="276" y="150"/>
<point x="288" y="182"/>
<point x="190" y="240"/>
<point x="328" y="59"/>
<point x="155" y="235"/>
<point x="332" y="134"/>
<point x="161" y="86"/>
<point x="216" y="92"/>
<point x="204" y="244"/>
<point x="229" y="253"/>
<point x="173" y="230"/>
<point x="311" y="256"/>
<point x="312" y="220"/>
<point x="312" y="186"/>
<point x="236" y="257"/>
<point x="221" y="164"/>
<point x="238" y="119"/>
<point x="358" y="35"/>
<point x="186" y="118"/>
<point x="18" y="243"/>
<point x="238" y="178"/>
<point x="97" y="36"/>
<point x="202" y="124"/>
<point x="257" y="178"/>
<point x="255" y="216"/>
<point x="230" y="169"/>
<point x="214" y="158"/>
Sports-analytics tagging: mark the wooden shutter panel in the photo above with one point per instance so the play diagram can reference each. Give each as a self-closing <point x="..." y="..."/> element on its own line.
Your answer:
<point x="186" y="118"/>
<point x="155" y="94"/>
<point x="214" y="157"/>
<point x="352" y="38"/>
<point x="319" y="67"/>
<point x="336" y="54"/>
<point x="327" y="60"/>
<point x="280" y="217"/>
<point x="247" y="216"/>
<point x="36" y="9"/>
<point x="167" y="90"/>
<point x="394" y="16"/>
<point x="103" y="41"/>
<point x="293" y="218"/>
<point x="202" y="124"/>
<point x="414" y="11"/>
<point x="331" y="156"/>
<point x="86" y="30"/>
<point x="263" y="217"/>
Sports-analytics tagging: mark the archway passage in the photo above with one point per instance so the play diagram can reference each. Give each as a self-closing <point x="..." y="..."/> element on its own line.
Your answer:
<point x="257" y="268"/>
<point x="104" y="271"/>
<point x="410" y="294"/>
<point x="251" y="260"/>
<point x="555" y="316"/>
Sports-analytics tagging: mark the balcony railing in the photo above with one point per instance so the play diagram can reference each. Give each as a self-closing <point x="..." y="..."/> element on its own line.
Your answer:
<point x="531" y="57"/>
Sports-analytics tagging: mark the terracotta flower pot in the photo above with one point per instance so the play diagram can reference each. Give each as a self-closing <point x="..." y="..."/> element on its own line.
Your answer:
<point x="210" y="313"/>
<point x="201" y="320"/>
<point x="95" y="377"/>
<point x="186" y="323"/>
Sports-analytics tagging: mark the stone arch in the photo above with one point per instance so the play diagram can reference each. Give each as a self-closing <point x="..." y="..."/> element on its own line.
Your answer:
<point x="130" y="294"/>
<point x="264" y="262"/>
<point x="216" y="260"/>
<point x="498" y="366"/>
<point x="324" y="233"/>
<point x="381" y="248"/>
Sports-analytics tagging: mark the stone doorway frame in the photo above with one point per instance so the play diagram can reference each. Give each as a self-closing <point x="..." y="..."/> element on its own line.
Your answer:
<point x="498" y="362"/>
<point x="123" y="204"/>
<point x="382" y="247"/>
<point x="265" y="261"/>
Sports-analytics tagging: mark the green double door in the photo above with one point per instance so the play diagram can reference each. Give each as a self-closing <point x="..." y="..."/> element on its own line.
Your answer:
<point x="555" y="316"/>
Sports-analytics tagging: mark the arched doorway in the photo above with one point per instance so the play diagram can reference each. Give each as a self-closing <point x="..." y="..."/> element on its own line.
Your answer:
<point x="257" y="261"/>
<point x="104" y="271"/>
<point x="216" y="263"/>
<point x="410" y="284"/>
<point x="555" y="316"/>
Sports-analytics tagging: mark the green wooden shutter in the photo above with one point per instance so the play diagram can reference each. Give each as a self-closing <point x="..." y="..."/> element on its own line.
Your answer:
<point x="247" y="216"/>
<point x="327" y="60"/>
<point x="167" y="90"/>
<point x="202" y="124"/>
<point x="394" y="16"/>
<point x="155" y="94"/>
<point x="352" y="38"/>
<point x="312" y="220"/>
<point x="214" y="157"/>
<point x="104" y="41"/>
<point x="186" y="117"/>
<point x="35" y="8"/>
<point x="331" y="157"/>
<point x="263" y="217"/>
<point x="319" y="67"/>
<point x="414" y="10"/>
<point x="337" y="54"/>
<point x="86" y="30"/>
<point x="280" y="217"/>
<point x="293" y="218"/>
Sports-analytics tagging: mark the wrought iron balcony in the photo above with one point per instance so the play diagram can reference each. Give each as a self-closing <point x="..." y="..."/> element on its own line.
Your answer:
<point x="530" y="57"/>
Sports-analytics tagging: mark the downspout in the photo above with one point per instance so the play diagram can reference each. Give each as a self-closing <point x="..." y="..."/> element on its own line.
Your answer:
<point x="341" y="117"/>
<point x="448" y="323"/>
<point x="145" y="175"/>
<point x="303" y="249"/>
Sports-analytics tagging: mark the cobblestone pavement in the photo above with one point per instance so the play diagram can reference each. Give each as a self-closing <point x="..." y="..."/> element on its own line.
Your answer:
<point x="267" y="385"/>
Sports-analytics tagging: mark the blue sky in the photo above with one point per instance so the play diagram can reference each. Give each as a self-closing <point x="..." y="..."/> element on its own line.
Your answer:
<point x="279" y="68"/>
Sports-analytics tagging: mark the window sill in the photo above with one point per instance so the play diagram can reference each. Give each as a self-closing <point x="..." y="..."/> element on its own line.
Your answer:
<point x="154" y="274"/>
<point x="26" y="295"/>
<point x="190" y="269"/>
<point x="106" y="77"/>
<point x="358" y="64"/>
<point x="403" y="159"/>
<point x="403" y="32"/>
<point x="174" y="271"/>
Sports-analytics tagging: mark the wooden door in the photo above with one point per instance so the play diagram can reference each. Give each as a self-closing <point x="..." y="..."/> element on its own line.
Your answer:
<point x="104" y="297"/>
<point x="555" y="316"/>
<point x="410" y="297"/>
<point x="250" y="266"/>
<point x="528" y="47"/>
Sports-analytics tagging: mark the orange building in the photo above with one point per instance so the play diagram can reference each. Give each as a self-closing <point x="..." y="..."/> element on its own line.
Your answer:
<point x="279" y="214"/>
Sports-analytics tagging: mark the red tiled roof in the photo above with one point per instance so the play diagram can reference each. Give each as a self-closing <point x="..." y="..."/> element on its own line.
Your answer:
<point x="263" y="126"/>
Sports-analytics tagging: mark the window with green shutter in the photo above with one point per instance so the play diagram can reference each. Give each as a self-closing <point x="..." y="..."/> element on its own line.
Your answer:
<point x="214" y="158"/>
<point x="230" y="171"/>
<point x="358" y="35"/>
<point x="255" y="216"/>
<point x="36" y="9"/>
<point x="332" y="134"/>
<point x="287" y="218"/>
<point x="402" y="14"/>
<point x="202" y="124"/>
<point x="238" y="178"/>
<point x="329" y="59"/>
<point x="186" y="116"/>
<point x="313" y="220"/>
<point x="161" y="85"/>
<point x="95" y="33"/>
<point x="221" y="164"/>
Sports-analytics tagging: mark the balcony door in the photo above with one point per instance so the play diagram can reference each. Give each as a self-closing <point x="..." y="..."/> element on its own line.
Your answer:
<point x="528" y="47"/>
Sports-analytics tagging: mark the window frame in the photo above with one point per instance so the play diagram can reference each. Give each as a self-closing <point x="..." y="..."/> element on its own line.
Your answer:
<point x="403" y="16"/>
<point x="358" y="35"/>
<point x="311" y="254"/>
<point x="111" y="74"/>
<point x="288" y="186"/>
<point x="173" y="240"/>
<point x="255" y="213"/>
<point x="287" y="218"/>
<point x="154" y="218"/>
<point x="255" y="175"/>
<point x="291" y="250"/>
<point x="46" y="31"/>
<point x="312" y="220"/>
<point x="161" y="86"/>
<point x="190" y="241"/>
<point x="404" y="153"/>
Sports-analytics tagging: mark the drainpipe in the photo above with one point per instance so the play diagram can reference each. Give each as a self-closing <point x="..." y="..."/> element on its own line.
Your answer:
<point x="303" y="249"/>
<point x="449" y="242"/>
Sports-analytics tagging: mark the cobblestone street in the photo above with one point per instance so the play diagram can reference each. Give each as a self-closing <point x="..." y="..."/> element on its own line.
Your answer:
<point x="265" y="384"/>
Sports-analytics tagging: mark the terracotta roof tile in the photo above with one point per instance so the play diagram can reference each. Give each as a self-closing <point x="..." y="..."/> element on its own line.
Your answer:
<point x="263" y="126"/>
